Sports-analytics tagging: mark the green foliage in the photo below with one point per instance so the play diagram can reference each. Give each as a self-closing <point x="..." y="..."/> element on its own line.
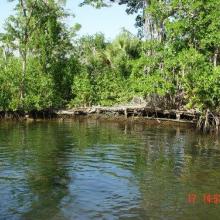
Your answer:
<point x="9" y="84"/>
<point x="37" y="35"/>
<point x="112" y="88"/>
<point x="144" y="86"/>
<point x="39" y="88"/>
<point x="203" y="89"/>
<point x="82" y="90"/>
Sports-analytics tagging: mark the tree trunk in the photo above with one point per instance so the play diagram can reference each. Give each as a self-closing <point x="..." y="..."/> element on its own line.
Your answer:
<point x="24" y="52"/>
<point x="24" y="69"/>
<point x="215" y="59"/>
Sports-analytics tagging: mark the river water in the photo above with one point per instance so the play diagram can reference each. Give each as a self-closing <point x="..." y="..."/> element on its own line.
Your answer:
<point x="89" y="169"/>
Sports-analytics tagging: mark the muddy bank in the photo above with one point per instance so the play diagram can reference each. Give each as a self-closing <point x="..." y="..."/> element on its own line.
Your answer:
<point x="32" y="115"/>
<point x="134" y="113"/>
<point x="206" y="121"/>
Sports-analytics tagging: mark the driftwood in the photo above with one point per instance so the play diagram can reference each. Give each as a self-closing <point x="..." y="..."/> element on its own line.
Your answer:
<point x="137" y="110"/>
<point x="205" y="121"/>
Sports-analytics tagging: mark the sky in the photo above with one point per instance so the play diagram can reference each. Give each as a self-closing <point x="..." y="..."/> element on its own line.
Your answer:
<point x="109" y="21"/>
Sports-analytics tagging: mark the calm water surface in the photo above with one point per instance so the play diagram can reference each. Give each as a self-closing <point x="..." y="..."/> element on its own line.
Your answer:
<point x="87" y="169"/>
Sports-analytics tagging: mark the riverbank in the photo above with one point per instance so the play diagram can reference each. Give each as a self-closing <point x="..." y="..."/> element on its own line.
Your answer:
<point x="140" y="113"/>
<point x="134" y="111"/>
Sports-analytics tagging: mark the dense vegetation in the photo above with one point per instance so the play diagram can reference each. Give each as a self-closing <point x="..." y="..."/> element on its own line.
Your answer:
<point x="174" y="65"/>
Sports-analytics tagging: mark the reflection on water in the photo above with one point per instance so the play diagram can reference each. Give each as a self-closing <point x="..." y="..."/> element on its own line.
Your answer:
<point x="87" y="169"/>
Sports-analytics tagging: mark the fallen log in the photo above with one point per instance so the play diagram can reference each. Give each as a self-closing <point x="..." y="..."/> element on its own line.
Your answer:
<point x="137" y="110"/>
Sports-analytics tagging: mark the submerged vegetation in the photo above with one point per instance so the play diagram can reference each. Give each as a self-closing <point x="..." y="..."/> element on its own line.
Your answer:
<point x="173" y="64"/>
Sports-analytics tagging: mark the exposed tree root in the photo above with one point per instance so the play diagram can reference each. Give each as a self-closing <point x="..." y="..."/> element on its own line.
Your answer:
<point x="208" y="122"/>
